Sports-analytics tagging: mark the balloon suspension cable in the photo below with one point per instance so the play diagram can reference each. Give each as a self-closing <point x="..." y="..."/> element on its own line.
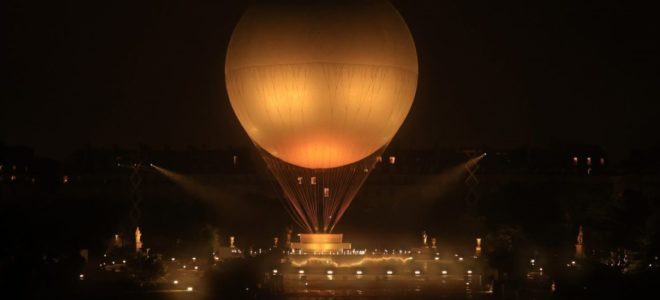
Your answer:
<point x="317" y="199"/>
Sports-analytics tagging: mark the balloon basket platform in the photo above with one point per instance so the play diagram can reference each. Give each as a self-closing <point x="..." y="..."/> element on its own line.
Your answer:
<point x="320" y="243"/>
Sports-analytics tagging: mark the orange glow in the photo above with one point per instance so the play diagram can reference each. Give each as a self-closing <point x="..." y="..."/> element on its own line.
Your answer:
<point x="319" y="242"/>
<point x="362" y="261"/>
<point x="314" y="150"/>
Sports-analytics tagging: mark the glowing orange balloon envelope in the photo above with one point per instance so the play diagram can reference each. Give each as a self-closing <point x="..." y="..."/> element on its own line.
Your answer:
<point x="321" y="84"/>
<point x="321" y="87"/>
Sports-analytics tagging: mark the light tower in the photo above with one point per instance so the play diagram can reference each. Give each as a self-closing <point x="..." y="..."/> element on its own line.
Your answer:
<point x="136" y="195"/>
<point x="135" y="179"/>
<point x="472" y="182"/>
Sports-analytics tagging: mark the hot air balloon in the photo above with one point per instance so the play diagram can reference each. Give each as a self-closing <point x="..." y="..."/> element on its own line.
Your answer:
<point x="321" y="88"/>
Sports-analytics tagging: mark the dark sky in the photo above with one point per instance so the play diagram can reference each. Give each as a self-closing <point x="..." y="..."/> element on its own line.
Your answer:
<point x="497" y="73"/>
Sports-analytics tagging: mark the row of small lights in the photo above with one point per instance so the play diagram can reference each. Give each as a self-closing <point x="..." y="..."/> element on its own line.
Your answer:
<point x="363" y="252"/>
<point x="353" y="252"/>
<point x="360" y="272"/>
<point x="111" y="263"/>
<point x="358" y="252"/>
<point x="215" y="257"/>
<point x="172" y="259"/>
<point x="350" y="252"/>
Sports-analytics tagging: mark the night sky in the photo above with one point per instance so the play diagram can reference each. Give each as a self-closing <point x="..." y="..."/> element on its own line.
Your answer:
<point x="491" y="73"/>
